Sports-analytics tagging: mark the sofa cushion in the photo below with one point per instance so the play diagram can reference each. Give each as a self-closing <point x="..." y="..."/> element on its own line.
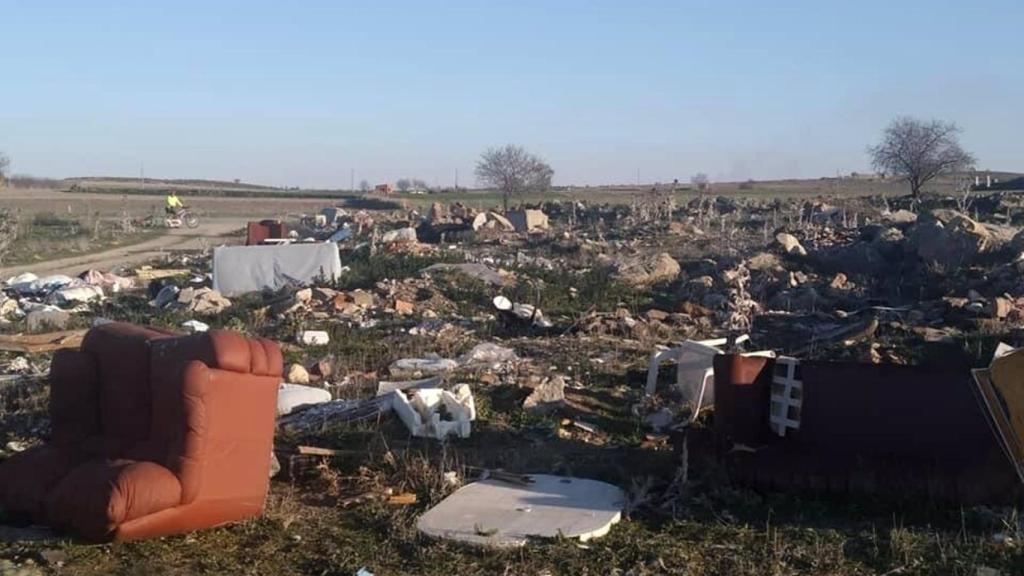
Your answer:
<point x="27" y="477"/>
<point x="100" y="495"/>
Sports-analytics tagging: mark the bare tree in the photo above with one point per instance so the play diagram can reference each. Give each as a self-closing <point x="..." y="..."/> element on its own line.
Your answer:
<point x="918" y="151"/>
<point x="963" y="185"/>
<point x="364" y="185"/>
<point x="700" y="182"/>
<point x="5" y="162"/>
<point x="420" y="184"/>
<point x="403" y="184"/>
<point x="513" y="171"/>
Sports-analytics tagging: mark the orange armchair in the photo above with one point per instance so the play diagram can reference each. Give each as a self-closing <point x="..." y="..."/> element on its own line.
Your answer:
<point x="152" y="434"/>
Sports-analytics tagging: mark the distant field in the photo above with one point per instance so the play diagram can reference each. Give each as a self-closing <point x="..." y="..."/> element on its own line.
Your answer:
<point x="115" y="196"/>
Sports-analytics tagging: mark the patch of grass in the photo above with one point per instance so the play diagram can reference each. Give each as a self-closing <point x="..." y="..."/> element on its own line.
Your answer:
<point x="595" y="289"/>
<point x="366" y="270"/>
<point x="49" y="236"/>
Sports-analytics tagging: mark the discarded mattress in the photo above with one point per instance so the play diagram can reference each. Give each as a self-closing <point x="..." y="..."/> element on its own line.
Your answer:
<point x="241" y="269"/>
<point x="501" y="514"/>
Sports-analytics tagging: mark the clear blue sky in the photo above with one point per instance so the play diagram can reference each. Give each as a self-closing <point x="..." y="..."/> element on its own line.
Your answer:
<point x="300" y="93"/>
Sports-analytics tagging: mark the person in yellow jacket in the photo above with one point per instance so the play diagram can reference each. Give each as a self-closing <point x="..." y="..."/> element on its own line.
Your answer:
<point x="173" y="203"/>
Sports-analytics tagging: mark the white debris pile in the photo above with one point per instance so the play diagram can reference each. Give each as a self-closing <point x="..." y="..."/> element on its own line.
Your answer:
<point x="523" y="313"/>
<point x="436" y="413"/>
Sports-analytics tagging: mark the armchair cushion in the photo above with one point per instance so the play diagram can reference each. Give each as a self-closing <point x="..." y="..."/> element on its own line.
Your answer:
<point x="98" y="496"/>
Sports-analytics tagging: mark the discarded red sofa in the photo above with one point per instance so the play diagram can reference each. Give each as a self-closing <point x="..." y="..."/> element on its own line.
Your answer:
<point x="152" y="434"/>
<point x="864" y="428"/>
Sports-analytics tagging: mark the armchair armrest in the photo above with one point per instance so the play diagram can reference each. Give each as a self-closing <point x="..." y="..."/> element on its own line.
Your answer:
<point x="229" y="434"/>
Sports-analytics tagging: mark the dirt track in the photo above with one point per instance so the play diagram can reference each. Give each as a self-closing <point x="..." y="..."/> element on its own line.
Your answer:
<point x="220" y="217"/>
<point x="209" y="233"/>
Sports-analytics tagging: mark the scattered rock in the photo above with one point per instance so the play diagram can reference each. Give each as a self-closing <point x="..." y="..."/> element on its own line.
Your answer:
<point x="1001" y="307"/>
<point x="953" y="243"/>
<point x="838" y="281"/>
<point x="648" y="271"/>
<point x="528" y="220"/>
<point x="656" y="315"/>
<point x="207" y="302"/>
<point x="275" y="465"/>
<point x="402" y="235"/>
<point x="764" y="262"/>
<point x="194" y="326"/>
<point x="660" y="419"/>
<point x="297" y="374"/>
<point x="900" y="216"/>
<point x="403" y="308"/>
<point x="313" y="337"/>
<point x="47" y="319"/>
<point x="789" y="244"/>
<point x="488" y="353"/>
<point x="548" y="396"/>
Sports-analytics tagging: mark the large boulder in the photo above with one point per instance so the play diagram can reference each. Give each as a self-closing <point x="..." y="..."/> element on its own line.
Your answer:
<point x="546" y="397"/>
<point x="764" y="262"/>
<point x="789" y="244"/>
<point x="950" y="239"/>
<point x="647" y="271"/>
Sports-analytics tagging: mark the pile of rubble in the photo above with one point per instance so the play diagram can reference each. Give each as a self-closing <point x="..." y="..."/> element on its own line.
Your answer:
<point x="459" y="319"/>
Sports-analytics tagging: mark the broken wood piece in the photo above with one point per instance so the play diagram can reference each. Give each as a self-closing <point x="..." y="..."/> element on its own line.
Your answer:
<point x="36" y="343"/>
<point x="316" y="451"/>
<point x="403" y="499"/>
<point x="363" y="498"/>
<point x="588" y="428"/>
<point x="321" y="416"/>
<point x="147" y="274"/>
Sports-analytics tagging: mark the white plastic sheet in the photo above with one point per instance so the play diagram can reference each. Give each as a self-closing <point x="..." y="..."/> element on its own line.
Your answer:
<point x="242" y="269"/>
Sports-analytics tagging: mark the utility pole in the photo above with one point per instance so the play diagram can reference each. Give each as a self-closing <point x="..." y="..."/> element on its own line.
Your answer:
<point x="352" y="180"/>
<point x="456" y="179"/>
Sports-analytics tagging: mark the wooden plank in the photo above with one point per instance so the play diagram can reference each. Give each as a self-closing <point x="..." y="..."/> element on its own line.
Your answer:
<point x="149" y="274"/>
<point x="36" y="343"/>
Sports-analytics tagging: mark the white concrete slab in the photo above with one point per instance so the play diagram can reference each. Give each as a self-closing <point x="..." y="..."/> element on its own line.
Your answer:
<point x="505" y="515"/>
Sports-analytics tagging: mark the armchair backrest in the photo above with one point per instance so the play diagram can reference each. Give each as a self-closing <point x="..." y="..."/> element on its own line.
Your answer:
<point x="188" y="403"/>
<point x="121" y="355"/>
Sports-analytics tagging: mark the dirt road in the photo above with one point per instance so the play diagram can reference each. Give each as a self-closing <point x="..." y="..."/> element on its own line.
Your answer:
<point x="212" y="232"/>
<point x="220" y="216"/>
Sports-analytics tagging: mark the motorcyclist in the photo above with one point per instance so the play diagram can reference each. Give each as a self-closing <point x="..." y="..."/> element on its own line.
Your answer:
<point x="173" y="203"/>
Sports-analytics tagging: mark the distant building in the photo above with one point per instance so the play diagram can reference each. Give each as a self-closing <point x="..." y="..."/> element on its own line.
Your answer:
<point x="383" y="188"/>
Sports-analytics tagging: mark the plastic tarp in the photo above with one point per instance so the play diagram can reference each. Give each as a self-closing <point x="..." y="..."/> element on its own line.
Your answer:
<point x="241" y="269"/>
